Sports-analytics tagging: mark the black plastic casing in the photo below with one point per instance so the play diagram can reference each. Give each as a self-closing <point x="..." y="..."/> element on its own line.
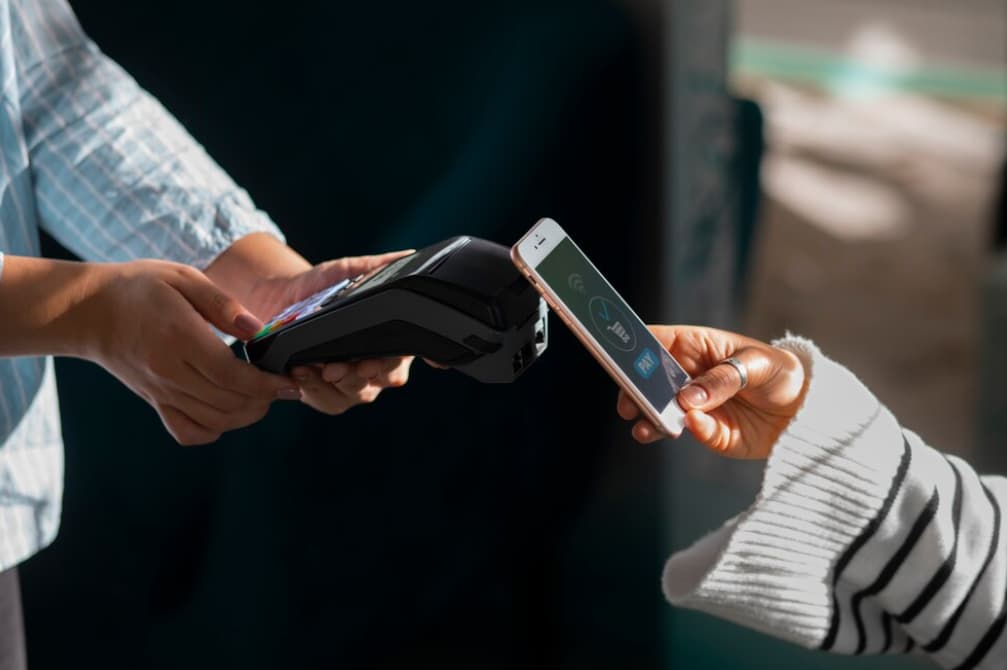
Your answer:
<point x="460" y="303"/>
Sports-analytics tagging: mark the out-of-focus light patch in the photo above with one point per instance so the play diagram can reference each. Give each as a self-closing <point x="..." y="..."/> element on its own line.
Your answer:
<point x="844" y="205"/>
<point x="879" y="59"/>
<point x="883" y="132"/>
<point x="845" y="165"/>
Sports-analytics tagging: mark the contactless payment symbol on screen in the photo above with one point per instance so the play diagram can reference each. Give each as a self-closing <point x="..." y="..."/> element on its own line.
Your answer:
<point x="612" y="323"/>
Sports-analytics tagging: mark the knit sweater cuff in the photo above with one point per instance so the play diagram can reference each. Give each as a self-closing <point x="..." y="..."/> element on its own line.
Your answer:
<point x="826" y="478"/>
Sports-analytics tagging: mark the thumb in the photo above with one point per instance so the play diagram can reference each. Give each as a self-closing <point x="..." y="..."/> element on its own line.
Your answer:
<point x="217" y="306"/>
<point x="723" y="381"/>
<point x="330" y="272"/>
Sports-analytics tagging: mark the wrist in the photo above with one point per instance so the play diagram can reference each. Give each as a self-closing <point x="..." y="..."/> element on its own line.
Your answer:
<point x="86" y="317"/>
<point x="42" y="306"/>
<point x="253" y="268"/>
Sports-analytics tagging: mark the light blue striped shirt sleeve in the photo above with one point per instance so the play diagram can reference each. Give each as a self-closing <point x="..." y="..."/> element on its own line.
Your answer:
<point x="91" y="157"/>
<point x="116" y="176"/>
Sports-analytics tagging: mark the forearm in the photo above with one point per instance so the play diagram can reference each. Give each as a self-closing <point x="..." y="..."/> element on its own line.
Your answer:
<point x="862" y="540"/>
<point x="39" y="298"/>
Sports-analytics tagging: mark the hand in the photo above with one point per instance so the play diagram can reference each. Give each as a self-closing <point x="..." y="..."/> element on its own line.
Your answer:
<point x="735" y="422"/>
<point x="333" y="388"/>
<point x="146" y="323"/>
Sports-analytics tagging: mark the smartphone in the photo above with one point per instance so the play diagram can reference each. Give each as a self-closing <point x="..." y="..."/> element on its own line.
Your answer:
<point x="603" y="322"/>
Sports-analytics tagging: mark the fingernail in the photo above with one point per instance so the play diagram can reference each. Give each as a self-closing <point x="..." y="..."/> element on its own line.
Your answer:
<point x="289" y="394"/>
<point x="694" y="395"/>
<point x="247" y="323"/>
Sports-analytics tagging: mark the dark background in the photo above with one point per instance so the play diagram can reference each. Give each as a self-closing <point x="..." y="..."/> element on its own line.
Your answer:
<point x="450" y="524"/>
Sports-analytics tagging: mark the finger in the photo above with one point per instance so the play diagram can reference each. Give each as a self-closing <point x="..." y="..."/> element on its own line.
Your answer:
<point x="712" y="431"/>
<point x="386" y="372"/>
<point x="351" y="383"/>
<point x="334" y="372"/>
<point x="396" y="372"/>
<point x="702" y="426"/>
<point x="214" y="304"/>
<point x="722" y="382"/>
<point x="213" y="419"/>
<point x="185" y="431"/>
<point x="336" y="270"/>
<point x="644" y="432"/>
<point x="698" y="348"/>
<point x="193" y="382"/>
<point x="218" y="364"/>
<point x="323" y="396"/>
<point x="310" y="380"/>
<point x="370" y="369"/>
<point x="626" y="408"/>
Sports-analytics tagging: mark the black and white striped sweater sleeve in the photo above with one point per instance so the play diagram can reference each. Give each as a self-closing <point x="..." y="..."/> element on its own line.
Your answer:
<point x="862" y="540"/>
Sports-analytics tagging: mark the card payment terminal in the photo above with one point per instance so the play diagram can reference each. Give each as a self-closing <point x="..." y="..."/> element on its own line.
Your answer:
<point x="460" y="303"/>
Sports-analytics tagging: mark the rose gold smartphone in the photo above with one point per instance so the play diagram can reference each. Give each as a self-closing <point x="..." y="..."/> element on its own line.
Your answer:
<point x="603" y="322"/>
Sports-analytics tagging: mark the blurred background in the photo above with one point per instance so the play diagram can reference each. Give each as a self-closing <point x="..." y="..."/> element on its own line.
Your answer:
<point x="833" y="168"/>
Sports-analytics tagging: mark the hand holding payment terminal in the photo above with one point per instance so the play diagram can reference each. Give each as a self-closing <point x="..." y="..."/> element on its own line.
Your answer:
<point x="460" y="303"/>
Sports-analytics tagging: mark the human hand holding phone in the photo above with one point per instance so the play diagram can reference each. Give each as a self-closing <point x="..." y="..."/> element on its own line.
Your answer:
<point x="732" y="419"/>
<point x="610" y="330"/>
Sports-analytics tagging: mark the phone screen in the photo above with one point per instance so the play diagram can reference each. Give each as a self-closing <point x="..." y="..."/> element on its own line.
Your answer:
<point x="620" y="332"/>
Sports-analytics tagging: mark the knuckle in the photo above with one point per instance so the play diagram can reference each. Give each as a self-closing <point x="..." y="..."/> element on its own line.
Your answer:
<point x="396" y="380"/>
<point x="180" y="268"/>
<point x="722" y="377"/>
<point x="722" y="439"/>
<point x="220" y="300"/>
<point x="229" y="376"/>
<point x="185" y="272"/>
<point x="157" y="365"/>
<point x="351" y="384"/>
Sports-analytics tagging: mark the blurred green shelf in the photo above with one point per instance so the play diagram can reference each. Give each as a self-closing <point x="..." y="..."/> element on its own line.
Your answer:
<point x="802" y="64"/>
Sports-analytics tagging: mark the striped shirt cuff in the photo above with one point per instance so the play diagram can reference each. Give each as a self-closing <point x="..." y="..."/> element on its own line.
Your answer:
<point x="828" y="476"/>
